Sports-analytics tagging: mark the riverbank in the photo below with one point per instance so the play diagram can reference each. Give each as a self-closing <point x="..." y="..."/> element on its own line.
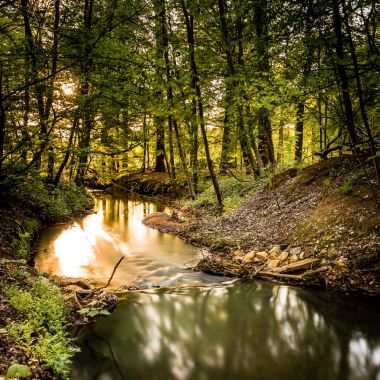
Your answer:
<point x="35" y="311"/>
<point x="319" y="226"/>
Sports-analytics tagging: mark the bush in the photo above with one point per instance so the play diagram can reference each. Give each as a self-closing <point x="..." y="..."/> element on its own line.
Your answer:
<point x="234" y="190"/>
<point x="347" y="187"/>
<point x="42" y="331"/>
<point x="45" y="201"/>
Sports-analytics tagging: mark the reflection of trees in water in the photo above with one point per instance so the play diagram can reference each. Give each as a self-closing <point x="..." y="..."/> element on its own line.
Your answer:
<point x="249" y="331"/>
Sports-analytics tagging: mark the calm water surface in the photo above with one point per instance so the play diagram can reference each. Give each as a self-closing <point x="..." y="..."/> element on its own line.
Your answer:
<point x="91" y="246"/>
<point x="199" y="326"/>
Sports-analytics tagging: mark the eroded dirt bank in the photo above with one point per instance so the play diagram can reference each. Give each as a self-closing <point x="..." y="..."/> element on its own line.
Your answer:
<point x="325" y="219"/>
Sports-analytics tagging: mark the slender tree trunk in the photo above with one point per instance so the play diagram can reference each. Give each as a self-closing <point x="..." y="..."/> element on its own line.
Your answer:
<point x="265" y="143"/>
<point x="233" y="90"/>
<point x="172" y="120"/>
<point x="225" y="156"/>
<point x="183" y="161"/>
<point x="299" y="131"/>
<point x="67" y="153"/>
<point x="145" y="135"/>
<point x="84" y="135"/>
<point x="159" y="120"/>
<point x="360" y="93"/>
<point x="344" y="84"/>
<point x="2" y="120"/>
<point x="195" y="79"/>
<point x="280" y="148"/>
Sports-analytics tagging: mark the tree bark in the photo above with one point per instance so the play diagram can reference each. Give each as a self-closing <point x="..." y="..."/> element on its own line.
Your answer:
<point x="344" y="84"/>
<point x="2" y="120"/>
<point x="159" y="120"/>
<point x="195" y="80"/>
<point x="265" y="143"/>
<point x="67" y="153"/>
<point x="86" y="112"/>
<point x="299" y="131"/>
<point x="360" y="93"/>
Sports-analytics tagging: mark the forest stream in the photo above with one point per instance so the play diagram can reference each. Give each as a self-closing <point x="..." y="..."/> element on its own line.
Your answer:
<point x="180" y="324"/>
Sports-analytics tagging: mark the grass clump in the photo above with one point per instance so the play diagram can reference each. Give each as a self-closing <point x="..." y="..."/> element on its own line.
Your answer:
<point x="347" y="187"/>
<point x="42" y="330"/>
<point x="233" y="189"/>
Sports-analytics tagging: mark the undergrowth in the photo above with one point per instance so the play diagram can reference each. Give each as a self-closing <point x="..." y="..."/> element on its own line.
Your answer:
<point x="41" y="329"/>
<point x="49" y="203"/>
<point x="26" y="202"/>
<point x="234" y="190"/>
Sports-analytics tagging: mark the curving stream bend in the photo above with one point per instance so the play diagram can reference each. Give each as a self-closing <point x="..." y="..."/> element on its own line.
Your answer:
<point x="194" y="326"/>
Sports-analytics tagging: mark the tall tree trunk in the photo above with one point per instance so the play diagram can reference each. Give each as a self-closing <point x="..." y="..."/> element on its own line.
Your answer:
<point x="344" y="84"/>
<point x="171" y="118"/>
<point x="194" y="164"/>
<point x="225" y="155"/>
<point x="2" y="120"/>
<point x="159" y="120"/>
<point x="363" y="112"/>
<point x="195" y="80"/>
<point x="306" y="67"/>
<point x="299" y="131"/>
<point x="86" y="112"/>
<point x="67" y="153"/>
<point x="233" y="90"/>
<point x="280" y="148"/>
<point x="145" y="138"/>
<point x="265" y="143"/>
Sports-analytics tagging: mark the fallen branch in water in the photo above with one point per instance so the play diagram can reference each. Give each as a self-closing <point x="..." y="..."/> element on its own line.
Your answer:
<point x="294" y="276"/>
<point x="112" y="274"/>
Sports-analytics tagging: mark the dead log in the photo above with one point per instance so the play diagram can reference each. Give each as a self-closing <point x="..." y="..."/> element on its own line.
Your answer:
<point x="298" y="265"/>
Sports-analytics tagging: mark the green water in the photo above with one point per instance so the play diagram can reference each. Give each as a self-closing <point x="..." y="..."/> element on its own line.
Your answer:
<point x="197" y="326"/>
<point x="249" y="330"/>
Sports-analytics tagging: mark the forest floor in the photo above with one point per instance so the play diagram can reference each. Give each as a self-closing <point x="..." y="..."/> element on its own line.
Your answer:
<point x="317" y="227"/>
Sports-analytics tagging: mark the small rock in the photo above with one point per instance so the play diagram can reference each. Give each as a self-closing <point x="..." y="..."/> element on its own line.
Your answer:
<point x="295" y="250"/>
<point x="302" y="255"/>
<point x="238" y="253"/>
<point x="73" y="288"/>
<point x="274" y="252"/>
<point x="272" y="264"/>
<point x="262" y="255"/>
<point x="284" y="255"/>
<point x="248" y="258"/>
<point x="293" y="259"/>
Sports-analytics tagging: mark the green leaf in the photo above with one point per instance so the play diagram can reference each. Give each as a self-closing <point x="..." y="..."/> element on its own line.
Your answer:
<point x="105" y="312"/>
<point x="85" y="310"/>
<point x="3" y="331"/>
<point x="18" y="370"/>
<point x="93" y="313"/>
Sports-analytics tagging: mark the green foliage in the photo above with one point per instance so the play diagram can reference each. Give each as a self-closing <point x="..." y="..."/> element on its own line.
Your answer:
<point x="46" y="201"/>
<point x="326" y="182"/>
<point x="93" y="309"/>
<point x="33" y="202"/>
<point x="234" y="190"/>
<point x="42" y="331"/>
<point x="347" y="187"/>
<point x="18" y="370"/>
<point x="55" y="352"/>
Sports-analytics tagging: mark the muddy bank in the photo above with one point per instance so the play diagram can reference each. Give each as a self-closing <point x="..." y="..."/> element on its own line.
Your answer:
<point x="327" y="212"/>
